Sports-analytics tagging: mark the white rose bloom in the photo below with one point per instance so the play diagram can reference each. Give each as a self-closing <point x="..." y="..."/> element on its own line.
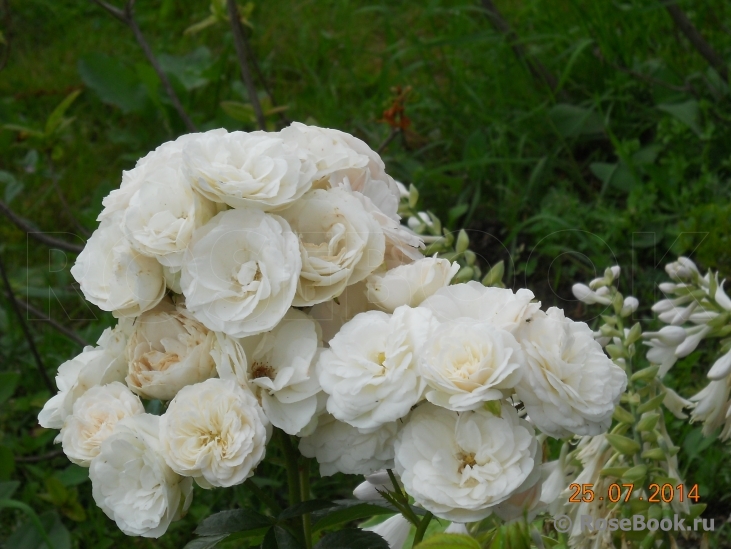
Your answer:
<point x="339" y="241"/>
<point x="167" y="154"/>
<point x="409" y="284"/>
<point x="240" y="272"/>
<point x="460" y="465"/>
<point x="168" y="350"/>
<point x="93" y="419"/>
<point x="215" y="432"/>
<point x="256" y="169"/>
<point x="341" y="448"/>
<point x="114" y="276"/>
<point x="162" y="215"/>
<point x="466" y="363"/>
<point x="332" y="314"/>
<point x="498" y="306"/>
<point x="345" y="161"/>
<point x="99" y="365"/>
<point x="131" y="482"/>
<point x="369" y="372"/>
<point x="569" y="385"/>
<point x="281" y="371"/>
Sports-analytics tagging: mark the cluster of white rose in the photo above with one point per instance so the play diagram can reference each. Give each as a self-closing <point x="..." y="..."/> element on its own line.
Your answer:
<point x="264" y="279"/>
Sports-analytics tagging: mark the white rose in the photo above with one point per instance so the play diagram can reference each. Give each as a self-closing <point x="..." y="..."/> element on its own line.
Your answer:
<point x="498" y="306"/>
<point x="93" y="419"/>
<point x="342" y="448"/>
<point x="114" y="276"/>
<point x="394" y="530"/>
<point x="332" y="314"/>
<point x="281" y="371"/>
<point x="409" y="284"/>
<point x="215" y="432"/>
<point x="163" y="214"/>
<point x="131" y="482"/>
<point x="99" y="365"/>
<point x="240" y="272"/>
<point x="167" y="154"/>
<point x="467" y="363"/>
<point x="168" y="350"/>
<point x="257" y="169"/>
<point x="369" y="372"/>
<point x="569" y="385"/>
<point x="339" y="241"/>
<point x="460" y="465"/>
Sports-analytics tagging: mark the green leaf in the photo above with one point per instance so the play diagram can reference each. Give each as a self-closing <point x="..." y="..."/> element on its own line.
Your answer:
<point x="572" y="121"/>
<point x="687" y="112"/>
<point x="37" y="532"/>
<point x="206" y="542"/>
<point x="189" y="69"/>
<point x="242" y="112"/>
<point x="57" y="492"/>
<point x="13" y="187"/>
<point x="347" y="512"/>
<point x="618" y="176"/>
<point x="8" y="488"/>
<point x="113" y="82"/>
<point x="285" y="540"/>
<point x="56" y="117"/>
<point x="228" y="522"/>
<point x="8" y="383"/>
<point x="305" y="507"/>
<point x="449" y="541"/>
<point x="352" y="538"/>
<point x="73" y="475"/>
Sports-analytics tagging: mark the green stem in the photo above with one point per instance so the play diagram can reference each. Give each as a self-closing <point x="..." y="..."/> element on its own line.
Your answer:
<point x="304" y="471"/>
<point x="290" y="459"/>
<point x="421" y="529"/>
<point x="263" y="496"/>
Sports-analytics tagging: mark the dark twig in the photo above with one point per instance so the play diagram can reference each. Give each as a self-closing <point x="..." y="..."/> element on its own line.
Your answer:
<point x="41" y="316"/>
<point x="696" y="38"/>
<point x="26" y="330"/>
<point x="386" y="142"/>
<point x="127" y="17"/>
<point x="26" y="227"/>
<point x="37" y="459"/>
<point x="241" y="52"/>
<point x="536" y="68"/>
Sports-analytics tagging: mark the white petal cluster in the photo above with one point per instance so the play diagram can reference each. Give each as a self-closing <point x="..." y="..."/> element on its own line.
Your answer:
<point x="265" y="280"/>
<point x="215" y="432"/>
<point x="458" y="466"/>
<point x="569" y="385"/>
<point x="131" y="482"/>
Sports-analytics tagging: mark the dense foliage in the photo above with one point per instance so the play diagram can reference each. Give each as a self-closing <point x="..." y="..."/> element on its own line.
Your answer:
<point x="625" y="161"/>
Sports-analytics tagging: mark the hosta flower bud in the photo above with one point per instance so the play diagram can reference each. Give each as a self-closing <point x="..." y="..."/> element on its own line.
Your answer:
<point x="721" y="368"/>
<point x="629" y="306"/>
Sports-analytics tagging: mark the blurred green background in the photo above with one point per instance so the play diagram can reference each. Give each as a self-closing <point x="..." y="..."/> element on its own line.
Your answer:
<point x="625" y="159"/>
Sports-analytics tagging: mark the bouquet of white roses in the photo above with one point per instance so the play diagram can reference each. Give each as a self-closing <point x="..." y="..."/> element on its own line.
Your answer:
<point x="263" y="281"/>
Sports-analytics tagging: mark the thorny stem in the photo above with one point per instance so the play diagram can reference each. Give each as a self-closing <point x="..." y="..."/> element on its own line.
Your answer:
<point x="293" y="481"/>
<point x="421" y="529"/>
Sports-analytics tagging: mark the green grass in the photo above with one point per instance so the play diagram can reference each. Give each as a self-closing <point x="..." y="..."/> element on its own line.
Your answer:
<point x="629" y="162"/>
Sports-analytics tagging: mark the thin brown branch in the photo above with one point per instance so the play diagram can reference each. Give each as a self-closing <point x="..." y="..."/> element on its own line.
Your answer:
<point x="62" y="197"/>
<point x="687" y="88"/>
<point x="127" y="17"/>
<point x="386" y="142"/>
<point x="38" y="459"/>
<point x="241" y="51"/>
<point x="536" y="68"/>
<point x="696" y="38"/>
<point x="41" y="316"/>
<point x="26" y="331"/>
<point x="31" y="231"/>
